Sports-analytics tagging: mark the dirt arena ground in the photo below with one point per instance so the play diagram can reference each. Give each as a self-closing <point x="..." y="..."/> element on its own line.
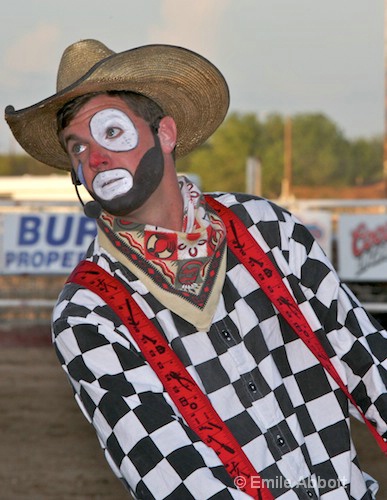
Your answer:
<point x="49" y="451"/>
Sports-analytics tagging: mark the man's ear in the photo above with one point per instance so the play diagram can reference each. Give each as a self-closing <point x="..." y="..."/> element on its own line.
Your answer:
<point x="167" y="133"/>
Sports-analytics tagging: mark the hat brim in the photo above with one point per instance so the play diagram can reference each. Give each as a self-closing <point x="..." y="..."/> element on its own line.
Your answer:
<point x="184" y="84"/>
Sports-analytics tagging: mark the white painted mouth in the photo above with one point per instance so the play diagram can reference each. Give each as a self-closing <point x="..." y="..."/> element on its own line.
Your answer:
<point x="112" y="183"/>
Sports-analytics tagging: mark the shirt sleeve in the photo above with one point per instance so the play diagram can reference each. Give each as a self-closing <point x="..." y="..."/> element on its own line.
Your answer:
<point x="358" y="341"/>
<point x="145" y="440"/>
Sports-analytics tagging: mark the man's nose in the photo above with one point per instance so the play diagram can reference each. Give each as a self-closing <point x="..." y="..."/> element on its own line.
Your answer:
<point x="98" y="158"/>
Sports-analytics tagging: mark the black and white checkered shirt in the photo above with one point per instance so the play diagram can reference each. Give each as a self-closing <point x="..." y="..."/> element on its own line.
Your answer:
<point x="289" y="416"/>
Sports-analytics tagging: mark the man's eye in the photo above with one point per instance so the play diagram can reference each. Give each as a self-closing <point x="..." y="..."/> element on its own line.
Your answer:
<point x="78" y="149"/>
<point x="113" y="132"/>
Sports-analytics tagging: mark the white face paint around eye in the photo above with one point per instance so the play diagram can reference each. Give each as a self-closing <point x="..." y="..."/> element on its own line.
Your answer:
<point x="114" y="130"/>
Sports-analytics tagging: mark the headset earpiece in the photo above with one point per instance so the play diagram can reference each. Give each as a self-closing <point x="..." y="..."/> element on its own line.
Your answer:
<point x="74" y="178"/>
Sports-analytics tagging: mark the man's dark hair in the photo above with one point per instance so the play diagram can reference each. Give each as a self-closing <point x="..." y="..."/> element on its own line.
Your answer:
<point x="141" y="106"/>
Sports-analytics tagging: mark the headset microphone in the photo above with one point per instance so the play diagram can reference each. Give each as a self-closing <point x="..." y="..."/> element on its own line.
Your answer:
<point x="92" y="208"/>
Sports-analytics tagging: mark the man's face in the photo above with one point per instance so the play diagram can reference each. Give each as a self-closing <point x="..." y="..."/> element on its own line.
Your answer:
<point x="115" y="154"/>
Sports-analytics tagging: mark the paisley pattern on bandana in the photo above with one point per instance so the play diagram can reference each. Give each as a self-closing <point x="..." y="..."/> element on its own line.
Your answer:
<point x="185" y="263"/>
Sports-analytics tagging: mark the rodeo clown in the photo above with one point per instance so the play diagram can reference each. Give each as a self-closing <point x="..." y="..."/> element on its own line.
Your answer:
<point x="207" y="338"/>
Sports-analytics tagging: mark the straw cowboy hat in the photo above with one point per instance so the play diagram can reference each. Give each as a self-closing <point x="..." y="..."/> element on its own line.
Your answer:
<point x="184" y="84"/>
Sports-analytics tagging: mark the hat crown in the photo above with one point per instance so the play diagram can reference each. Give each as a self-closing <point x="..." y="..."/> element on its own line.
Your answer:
<point x="78" y="59"/>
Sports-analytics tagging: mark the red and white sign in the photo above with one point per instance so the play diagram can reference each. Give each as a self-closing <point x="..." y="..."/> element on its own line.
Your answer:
<point x="362" y="247"/>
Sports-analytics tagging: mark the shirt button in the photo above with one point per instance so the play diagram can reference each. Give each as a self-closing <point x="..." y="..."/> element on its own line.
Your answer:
<point x="252" y="387"/>
<point x="280" y="440"/>
<point x="226" y="335"/>
<point x="310" y="494"/>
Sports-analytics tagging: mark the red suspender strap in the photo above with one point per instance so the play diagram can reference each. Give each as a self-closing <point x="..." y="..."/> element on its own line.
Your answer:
<point x="251" y="255"/>
<point x="192" y="403"/>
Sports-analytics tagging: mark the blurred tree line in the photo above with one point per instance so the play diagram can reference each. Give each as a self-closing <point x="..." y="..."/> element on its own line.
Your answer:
<point x="321" y="155"/>
<point x="20" y="164"/>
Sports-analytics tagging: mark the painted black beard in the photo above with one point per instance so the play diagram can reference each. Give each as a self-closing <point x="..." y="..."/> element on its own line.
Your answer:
<point x="146" y="179"/>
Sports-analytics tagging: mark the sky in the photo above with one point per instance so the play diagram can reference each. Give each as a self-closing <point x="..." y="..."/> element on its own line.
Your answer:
<point x="278" y="56"/>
